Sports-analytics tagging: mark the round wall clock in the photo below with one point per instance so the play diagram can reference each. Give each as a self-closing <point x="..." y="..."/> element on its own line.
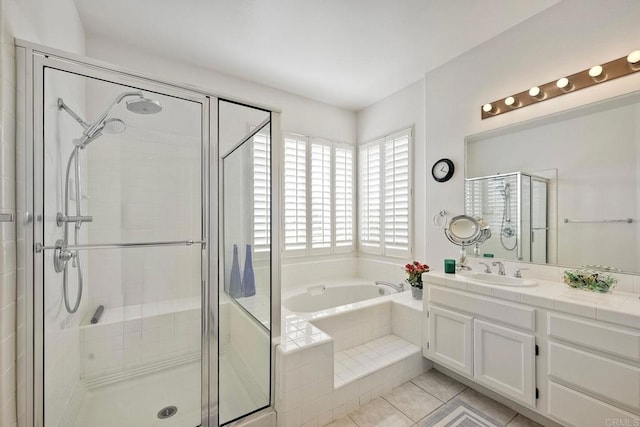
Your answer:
<point x="442" y="170"/>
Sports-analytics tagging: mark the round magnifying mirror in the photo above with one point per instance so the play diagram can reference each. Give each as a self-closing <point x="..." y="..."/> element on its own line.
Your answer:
<point x="464" y="229"/>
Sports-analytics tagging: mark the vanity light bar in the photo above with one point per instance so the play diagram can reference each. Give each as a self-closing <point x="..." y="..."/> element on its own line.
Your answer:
<point x="597" y="74"/>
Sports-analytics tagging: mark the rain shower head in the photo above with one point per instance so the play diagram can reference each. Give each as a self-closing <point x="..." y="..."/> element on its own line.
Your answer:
<point x="144" y="106"/>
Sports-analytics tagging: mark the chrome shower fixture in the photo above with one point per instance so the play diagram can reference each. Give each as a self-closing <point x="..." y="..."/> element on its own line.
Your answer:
<point x="92" y="131"/>
<point x="104" y="124"/>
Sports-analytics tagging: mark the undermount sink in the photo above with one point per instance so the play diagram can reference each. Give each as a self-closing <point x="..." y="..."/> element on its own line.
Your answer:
<point x="494" y="279"/>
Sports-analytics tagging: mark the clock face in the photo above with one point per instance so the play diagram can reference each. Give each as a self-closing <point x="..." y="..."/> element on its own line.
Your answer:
<point x="442" y="170"/>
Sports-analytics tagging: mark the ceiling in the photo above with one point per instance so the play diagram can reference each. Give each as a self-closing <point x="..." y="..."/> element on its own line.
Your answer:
<point x="348" y="53"/>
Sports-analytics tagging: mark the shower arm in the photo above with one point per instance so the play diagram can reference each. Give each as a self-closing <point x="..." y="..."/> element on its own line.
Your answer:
<point x="65" y="107"/>
<point x="91" y="130"/>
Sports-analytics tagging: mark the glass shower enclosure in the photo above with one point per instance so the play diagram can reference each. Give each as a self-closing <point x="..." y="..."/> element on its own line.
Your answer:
<point x="515" y="207"/>
<point x="129" y="318"/>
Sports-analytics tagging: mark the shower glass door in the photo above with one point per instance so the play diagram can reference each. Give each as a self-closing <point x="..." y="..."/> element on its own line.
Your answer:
<point x="245" y="263"/>
<point x="121" y="281"/>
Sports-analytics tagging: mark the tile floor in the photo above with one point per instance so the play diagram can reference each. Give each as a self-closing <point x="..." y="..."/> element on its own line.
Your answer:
<point x="418" y="402"/>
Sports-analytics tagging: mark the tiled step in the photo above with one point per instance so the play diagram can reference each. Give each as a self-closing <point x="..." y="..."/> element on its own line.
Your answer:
<point x="358" y="362"/>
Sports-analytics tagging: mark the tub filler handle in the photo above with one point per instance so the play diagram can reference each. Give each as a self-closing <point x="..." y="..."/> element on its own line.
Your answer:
<point x="398" y="288"/>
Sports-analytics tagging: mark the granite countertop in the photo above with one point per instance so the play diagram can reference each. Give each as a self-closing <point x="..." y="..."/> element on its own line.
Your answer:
<point x="618" y="307"/>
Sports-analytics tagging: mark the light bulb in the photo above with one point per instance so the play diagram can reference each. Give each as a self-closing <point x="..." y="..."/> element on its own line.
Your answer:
<point x="597" y="73"/>
<point x="634" y="59"/>
<point x="487" y="108"/>
<point x="536" y="92"/>
<point x="564" y="84"/>
<point x="511" y="102"/>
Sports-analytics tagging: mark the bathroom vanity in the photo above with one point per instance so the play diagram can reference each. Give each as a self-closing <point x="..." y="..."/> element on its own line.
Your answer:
<point x="569" y="355"/>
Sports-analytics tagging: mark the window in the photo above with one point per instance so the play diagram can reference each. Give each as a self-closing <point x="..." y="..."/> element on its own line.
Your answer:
<point x="385" y="195"/>
<point x="318" y="196"/>
<point x="262" y="191"/>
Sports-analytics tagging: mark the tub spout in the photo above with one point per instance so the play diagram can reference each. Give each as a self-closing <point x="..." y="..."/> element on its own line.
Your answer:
<point x="398" y="288"/>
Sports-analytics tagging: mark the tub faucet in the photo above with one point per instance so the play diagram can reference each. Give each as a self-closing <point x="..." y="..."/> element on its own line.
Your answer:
<point x="398" y="288"/>
<point x="500" y="267"/>
<point x="487" y="269"/>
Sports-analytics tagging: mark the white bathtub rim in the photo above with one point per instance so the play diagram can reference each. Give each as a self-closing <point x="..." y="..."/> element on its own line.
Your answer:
<point x="342" y="308"/>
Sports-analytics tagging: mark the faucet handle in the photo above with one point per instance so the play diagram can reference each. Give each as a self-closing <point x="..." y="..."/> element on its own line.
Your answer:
<point x="518" y="273"/>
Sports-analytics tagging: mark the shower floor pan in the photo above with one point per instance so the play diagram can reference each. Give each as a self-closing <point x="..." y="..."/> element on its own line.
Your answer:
<point x="137" y="401"/>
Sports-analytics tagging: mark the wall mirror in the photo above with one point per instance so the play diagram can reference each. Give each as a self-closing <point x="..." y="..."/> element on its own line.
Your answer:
<point x="563" y="189"/>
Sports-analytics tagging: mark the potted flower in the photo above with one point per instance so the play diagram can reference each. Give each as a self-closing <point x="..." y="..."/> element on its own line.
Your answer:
<point x="415" y="271"/>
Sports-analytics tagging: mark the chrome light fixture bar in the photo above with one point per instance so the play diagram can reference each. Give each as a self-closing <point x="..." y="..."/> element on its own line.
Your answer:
<point x="595" y="75"/>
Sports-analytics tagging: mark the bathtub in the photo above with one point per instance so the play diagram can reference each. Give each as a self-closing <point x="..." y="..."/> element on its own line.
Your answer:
<point x="320" y="297"/>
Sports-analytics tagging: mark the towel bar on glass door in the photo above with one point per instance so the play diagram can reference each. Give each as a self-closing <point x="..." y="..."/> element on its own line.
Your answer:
<point x="39" y="247"/>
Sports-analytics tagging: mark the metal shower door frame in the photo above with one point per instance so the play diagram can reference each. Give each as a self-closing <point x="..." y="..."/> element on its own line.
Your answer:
<point x="32" y="61"/>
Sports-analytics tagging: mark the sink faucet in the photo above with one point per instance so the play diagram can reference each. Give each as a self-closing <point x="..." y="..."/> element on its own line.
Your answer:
<point x="518" y="273"/>
<point x="500" y="267"/>
<point x="487" y="269"/>
<point x="398" y="288"/>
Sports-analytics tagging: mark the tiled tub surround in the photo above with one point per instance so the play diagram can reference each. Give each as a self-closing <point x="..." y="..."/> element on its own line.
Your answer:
<point x="330" y="362"/>
<point x="587" y="369"/>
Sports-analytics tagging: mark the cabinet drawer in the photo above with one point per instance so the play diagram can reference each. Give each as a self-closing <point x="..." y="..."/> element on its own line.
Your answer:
<point x="509" y="313"/>
<point x="609" y="339"/>
<point x="613" y="381"/>
<point x="574" y="409"/>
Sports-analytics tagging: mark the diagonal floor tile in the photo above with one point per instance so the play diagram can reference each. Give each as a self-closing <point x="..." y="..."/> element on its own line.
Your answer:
<point x="458" y="413"/>
<point x="380" y="413"/>
<point x="412" y="401"/>
<point x="486" y="405"/>
<point x="522" y="421"/>
<point x="342" y="422"/>
<point x="439" y="385"/>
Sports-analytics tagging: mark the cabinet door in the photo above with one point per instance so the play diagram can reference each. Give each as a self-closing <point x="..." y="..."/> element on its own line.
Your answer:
<point x="504" y="360"/>
<point x="451" y="339"/>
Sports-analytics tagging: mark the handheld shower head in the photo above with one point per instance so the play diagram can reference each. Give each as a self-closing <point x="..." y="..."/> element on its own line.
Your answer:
<point x="113" y="126"/>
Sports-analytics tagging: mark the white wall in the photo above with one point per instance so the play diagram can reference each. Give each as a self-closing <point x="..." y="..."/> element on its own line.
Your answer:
<point x="56" y="24"/>
<point x="403" y="109"/>
<point x="301" y="115"/>
<point x="564" y="39"/>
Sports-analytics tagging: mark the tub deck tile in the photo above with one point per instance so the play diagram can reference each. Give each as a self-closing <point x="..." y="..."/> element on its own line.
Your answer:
<point x="360" y="361"/>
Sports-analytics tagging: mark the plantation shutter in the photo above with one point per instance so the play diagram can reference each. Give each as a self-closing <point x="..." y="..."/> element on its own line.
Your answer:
<point x="321" y="196"/>
<point x="396" y="193"/>
<point x="343" y="197"/>
<point x="261" y="192"/>
<point x="370" y="196"/>
<point x="295" y="192"/>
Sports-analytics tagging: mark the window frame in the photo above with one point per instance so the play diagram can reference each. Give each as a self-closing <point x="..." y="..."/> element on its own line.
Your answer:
<point x="381" y="248"/>
<point x="309" y="250"/>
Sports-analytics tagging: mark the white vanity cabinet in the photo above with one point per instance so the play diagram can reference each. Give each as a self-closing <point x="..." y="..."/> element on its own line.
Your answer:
<point x="464" y="337"/>
<point x="592" y="365"/>
<point x="587" y="371"/>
